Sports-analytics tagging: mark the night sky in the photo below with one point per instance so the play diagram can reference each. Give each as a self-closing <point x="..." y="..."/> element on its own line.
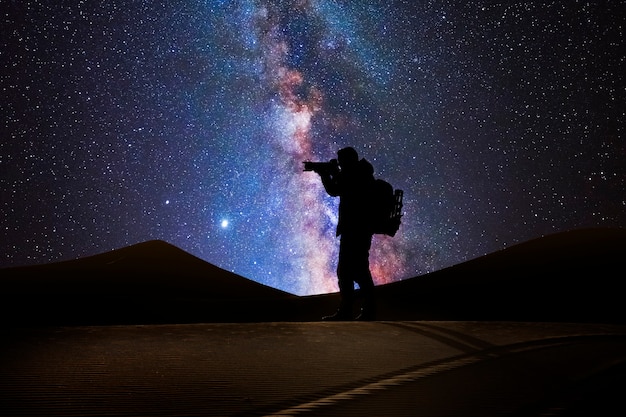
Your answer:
<point x="188" y="121"/>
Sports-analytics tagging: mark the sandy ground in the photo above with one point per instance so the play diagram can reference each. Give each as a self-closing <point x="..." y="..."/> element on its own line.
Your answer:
<point x="378" y="368"/>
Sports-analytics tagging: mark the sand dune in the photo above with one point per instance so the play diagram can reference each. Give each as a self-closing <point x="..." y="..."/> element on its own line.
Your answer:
<point x="145" y="268"/>
<point x="274" y="361"/>
<point x="150" y="282"/>
<point x="569" y="276"/>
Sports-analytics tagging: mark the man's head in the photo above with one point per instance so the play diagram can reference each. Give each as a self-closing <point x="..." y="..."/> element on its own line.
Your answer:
<point x="347" y="157"/>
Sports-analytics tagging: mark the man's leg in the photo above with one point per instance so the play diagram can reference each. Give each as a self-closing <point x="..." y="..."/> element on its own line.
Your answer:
<point x="345" y="272"/>
<point x="368" y="309"/>
<point x="364" y="279"/>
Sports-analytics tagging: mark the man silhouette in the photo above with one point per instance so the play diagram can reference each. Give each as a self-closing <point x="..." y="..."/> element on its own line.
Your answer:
<point x="351" y="183"/>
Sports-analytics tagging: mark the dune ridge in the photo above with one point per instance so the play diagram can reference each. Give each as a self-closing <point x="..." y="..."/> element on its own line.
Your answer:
<point x="569" y="276"/>
<point x="149" y="267"/>
<point x="574" y="275"/>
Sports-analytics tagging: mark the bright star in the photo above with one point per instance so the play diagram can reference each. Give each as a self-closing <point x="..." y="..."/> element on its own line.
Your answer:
<point x="224" y="224"/>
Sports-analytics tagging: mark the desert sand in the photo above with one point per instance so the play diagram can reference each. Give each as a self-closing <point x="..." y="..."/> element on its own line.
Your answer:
<point x="536" y="329"/>
<point x="313" y="368"/>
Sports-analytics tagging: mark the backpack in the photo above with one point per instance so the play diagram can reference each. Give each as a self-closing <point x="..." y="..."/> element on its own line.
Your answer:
<point x="386" y="208"/>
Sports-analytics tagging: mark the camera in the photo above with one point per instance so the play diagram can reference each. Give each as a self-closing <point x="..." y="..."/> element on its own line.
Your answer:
<point x="330" y="167"/>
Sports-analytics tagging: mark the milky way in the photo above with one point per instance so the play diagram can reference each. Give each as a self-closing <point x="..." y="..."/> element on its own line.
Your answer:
<point x="127" y="121"/>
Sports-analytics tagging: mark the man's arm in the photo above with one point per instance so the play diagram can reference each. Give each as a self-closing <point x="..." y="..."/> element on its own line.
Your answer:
<point x="331" y="185"/>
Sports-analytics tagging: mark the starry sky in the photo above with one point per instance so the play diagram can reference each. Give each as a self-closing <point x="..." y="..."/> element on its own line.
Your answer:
<point x="188" y="121"/>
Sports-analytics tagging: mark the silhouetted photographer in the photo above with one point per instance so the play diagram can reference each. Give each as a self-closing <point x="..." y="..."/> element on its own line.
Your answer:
<point x="351" y="180"/>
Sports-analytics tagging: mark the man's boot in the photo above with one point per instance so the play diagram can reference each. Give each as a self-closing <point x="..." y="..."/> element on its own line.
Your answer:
<point x="368" y="312"/>
<point x="366" y="315"/>
<point x="338" y="316"/>
<point x="343" y="313"/>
